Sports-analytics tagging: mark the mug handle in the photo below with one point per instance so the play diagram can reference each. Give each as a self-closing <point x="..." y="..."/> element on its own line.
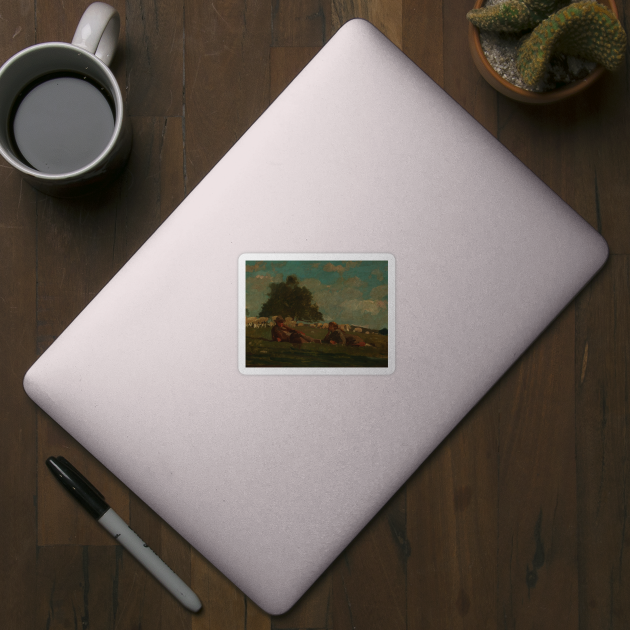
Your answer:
<point x="98" y="30"/>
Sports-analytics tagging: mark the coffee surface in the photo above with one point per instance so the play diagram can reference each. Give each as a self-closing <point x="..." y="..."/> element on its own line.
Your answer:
<point x="62" y="124"/>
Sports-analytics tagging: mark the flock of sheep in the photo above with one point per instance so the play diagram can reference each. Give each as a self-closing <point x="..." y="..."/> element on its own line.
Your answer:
<point x="263" y="322"/>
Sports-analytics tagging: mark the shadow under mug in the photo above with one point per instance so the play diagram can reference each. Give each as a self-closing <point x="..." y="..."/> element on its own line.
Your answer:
<point x="88" y="56"/>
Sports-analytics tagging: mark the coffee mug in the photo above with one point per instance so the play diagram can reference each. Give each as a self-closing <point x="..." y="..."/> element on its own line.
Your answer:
<point x="62" y="114"/>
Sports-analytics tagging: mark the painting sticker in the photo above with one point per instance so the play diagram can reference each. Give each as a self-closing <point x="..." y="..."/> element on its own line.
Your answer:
<point x="316" y="314"/>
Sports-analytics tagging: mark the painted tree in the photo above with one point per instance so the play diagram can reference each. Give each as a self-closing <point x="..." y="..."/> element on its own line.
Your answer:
<point x="289" y="299"/>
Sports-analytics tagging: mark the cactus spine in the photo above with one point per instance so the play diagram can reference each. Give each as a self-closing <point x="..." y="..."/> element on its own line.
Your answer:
<point x="583" y="29"/>
<point x="513" y="16"/>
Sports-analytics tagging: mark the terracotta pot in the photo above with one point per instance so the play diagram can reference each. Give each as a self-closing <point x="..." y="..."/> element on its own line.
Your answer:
<point x="518" y="94"/>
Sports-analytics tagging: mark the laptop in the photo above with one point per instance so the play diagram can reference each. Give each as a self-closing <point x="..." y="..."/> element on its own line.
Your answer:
<point x="207" y="375"/>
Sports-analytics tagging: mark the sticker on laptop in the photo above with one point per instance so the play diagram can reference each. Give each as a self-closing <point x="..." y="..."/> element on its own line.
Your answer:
<point x="316" y="314"/>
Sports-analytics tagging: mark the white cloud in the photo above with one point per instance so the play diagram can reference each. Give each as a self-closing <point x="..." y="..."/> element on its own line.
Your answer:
<point x="355" y="281"/>
<point x="363" y="306"/>
<point x="338" y="268"/>
<point x="256" y="266"/>
<point x="379" y="274"/>
<point x="312" y="284"/>
<point x="379" y="292"/>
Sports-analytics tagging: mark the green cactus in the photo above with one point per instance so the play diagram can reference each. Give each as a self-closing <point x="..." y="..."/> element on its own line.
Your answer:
<point x="584" y="29"/>
<point x="513" y="16"/>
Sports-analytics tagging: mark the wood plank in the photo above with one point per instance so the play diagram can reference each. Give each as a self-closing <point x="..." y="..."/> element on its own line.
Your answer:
<point x="575" y="147"/>
<point x="313" y="610"/>
<point x="152" y="185"/>
<point x="423" y="36"/>
<point x="608" y="127"/>
<point x="300" y="22"/>
<point x="18" y="422"/>
<point x="285" y="64"/>
<point x="255" y="617"/>
<point x="76" y="587"/>
<point x="566" y="148"/>
<point x="603" y="468"/>
<point x="386" y="15"/>
<point x="17" y="28"/>
<point x="18" y="416"/>
<point x="558" y="147"/>
<point x="537" y="537"/>
<point x="154" y="57"/>
<point x="226" y="78"/>
<point x="369" y="577"/>
<point x="143" y="601"/>
<point x="452" y="526"/>
<point x="461" y="78"/>
<point x="74" y="248"/>
<point x="171" y="157"/>
<point x="61" y="520"/>
<point x="57" y="23"/>
<point x="224" y="606"/>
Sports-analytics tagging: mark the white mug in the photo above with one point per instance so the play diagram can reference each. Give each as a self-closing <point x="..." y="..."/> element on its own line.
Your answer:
<point x="66" y="163"/>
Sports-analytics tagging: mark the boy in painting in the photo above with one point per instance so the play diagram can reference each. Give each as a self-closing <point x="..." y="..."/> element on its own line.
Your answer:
<point x="281" y="332"/>
<point x="334" y="336"/>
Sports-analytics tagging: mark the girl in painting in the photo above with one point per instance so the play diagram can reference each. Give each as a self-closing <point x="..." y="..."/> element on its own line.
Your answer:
<point x="335" y="336"/>
<point x="281" y="332"/>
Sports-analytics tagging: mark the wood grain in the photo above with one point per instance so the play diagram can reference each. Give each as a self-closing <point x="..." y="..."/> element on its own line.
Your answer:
<point x="151" y="187"/>
<point x="76" y="587"/>
<point x="147" y="603"/>
<point x="386" y="15"/>
<point x="300" y="22"/>
<point x="226" y="78"/>
<point x="452" y="515"/>
<point x="571" y="148"/>
<point x="537" y="509"/>
<point x="369" y="577"/>
<point x="285" y="64"/>
<point x="602" y="380"/>
<point x="313" y="609"/>
<point x="609" y="133"/>
<point x="422" y="36"/>
<point x="462" y="81"/>
<point x="61" y="521"/>
<point x="224" y="606"/>
<point x="154" y="57"/>
<point x="18" y="416"/>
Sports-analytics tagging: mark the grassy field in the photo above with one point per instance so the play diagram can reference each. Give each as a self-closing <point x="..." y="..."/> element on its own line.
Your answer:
<point x="262" y="352"/>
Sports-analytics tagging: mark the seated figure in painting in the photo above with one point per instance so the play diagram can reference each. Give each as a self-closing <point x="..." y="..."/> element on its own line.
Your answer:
<point x="335" y="336"/>
<point x="281" y="332"/>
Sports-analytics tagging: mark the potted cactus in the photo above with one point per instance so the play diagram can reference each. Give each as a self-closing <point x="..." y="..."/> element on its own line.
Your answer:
<point x="558" y="49"/>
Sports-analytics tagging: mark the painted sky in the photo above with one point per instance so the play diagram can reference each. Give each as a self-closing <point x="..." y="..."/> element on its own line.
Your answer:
<point x="347" y="292"/>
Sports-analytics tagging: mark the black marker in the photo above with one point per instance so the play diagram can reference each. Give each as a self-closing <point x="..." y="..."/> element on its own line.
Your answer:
<point x="94" y="502"/>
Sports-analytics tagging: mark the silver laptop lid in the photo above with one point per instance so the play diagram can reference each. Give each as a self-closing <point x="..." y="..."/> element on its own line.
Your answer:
<point x="271" y="475"/>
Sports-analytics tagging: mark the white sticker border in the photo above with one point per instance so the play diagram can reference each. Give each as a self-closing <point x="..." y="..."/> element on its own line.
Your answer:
<point x="391" y="315"/>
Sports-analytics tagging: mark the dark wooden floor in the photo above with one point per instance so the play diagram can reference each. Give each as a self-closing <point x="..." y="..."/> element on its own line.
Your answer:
<point x="518" y="520"/>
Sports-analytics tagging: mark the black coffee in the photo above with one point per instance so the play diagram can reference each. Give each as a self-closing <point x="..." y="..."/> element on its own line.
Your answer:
<point x="61" y="123"/>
